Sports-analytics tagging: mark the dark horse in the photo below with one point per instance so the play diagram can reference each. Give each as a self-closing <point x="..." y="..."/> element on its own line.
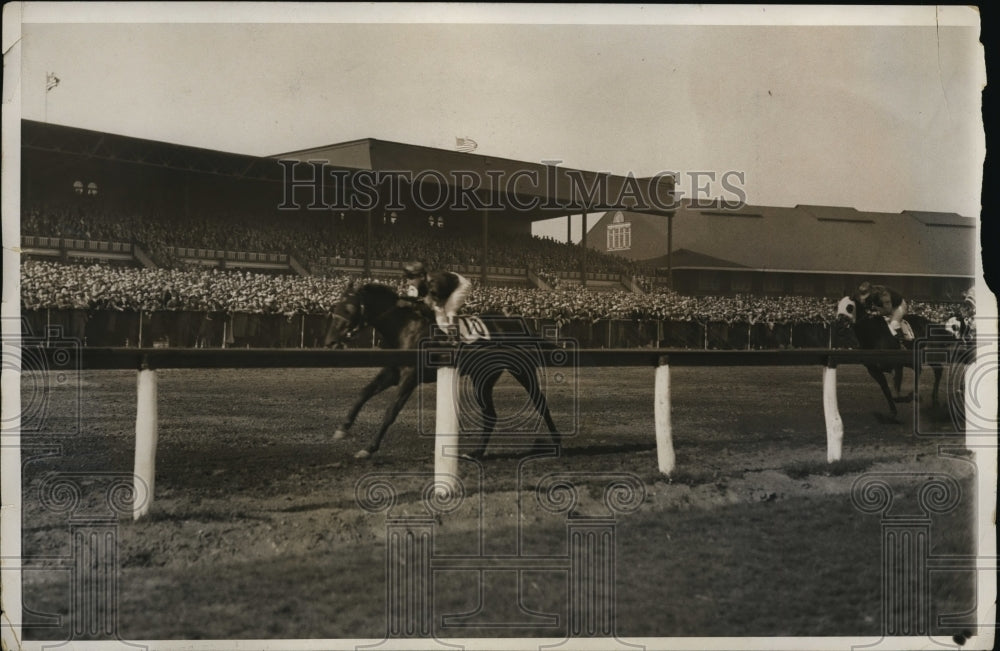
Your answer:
<point x="403" y="325"/>
<point x="872" y="332"/>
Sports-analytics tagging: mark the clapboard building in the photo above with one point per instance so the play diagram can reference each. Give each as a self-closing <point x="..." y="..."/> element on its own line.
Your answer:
<point x="803" y="250"/>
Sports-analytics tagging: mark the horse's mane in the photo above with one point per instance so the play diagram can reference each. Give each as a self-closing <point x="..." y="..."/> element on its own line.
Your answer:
<point x="379" y="290"/>
<point x="385" y="297"/>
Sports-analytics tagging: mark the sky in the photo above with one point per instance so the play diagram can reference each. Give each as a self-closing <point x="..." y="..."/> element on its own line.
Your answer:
<point x="879" y="117"/>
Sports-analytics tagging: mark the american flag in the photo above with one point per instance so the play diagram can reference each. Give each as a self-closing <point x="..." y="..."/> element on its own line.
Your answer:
<point x="51" y="81"/>
<point x="466" y="144"/>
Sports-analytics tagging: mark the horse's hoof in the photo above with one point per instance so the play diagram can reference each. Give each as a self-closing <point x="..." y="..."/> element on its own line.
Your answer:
<point x="907" y="398"/>
<point x="339" y="434"/>
<point x="887" y="419"/>
<point x="362" y="454"/>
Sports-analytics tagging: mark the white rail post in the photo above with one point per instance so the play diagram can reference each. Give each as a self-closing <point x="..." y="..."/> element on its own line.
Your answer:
<point x="446" y="433"/>
<point x="145" y="441"/>
<point x="972" y="405"/>
<point x="834" y="426"/>
<point x="664" y="434"/>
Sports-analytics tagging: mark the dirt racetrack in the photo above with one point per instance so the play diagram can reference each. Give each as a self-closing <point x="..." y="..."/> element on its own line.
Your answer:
<point x="257" y="531"/>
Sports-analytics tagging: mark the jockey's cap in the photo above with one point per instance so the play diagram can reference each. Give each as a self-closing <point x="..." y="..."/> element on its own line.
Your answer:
<point x="970" y="296"/>
<point x="414" y="270"/>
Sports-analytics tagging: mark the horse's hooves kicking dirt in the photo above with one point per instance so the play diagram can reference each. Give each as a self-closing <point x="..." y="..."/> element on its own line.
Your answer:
<point x="339" y="434"/>
<point x="362" y="454"/>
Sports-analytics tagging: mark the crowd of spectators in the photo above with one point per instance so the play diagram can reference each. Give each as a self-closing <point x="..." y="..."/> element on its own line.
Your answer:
<point x="310" y="236"/>
<point x="575" y="302"/>
<point x="49" y="285"/>
<point x="102" y="287"/>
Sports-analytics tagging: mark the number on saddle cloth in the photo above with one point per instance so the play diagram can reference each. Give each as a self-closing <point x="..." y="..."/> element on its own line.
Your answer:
<point x="472" y="328"/>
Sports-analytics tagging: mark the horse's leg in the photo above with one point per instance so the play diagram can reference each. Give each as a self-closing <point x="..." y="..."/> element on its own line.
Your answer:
<point x="386" y="378"/>
<point x="879" y="377"/>
<point x="897" y="379"/>
<point x="938" y="372"/>
<point x="529" y="381"/>
<point x="484" y="398"/>
<point x="407" y="383"/>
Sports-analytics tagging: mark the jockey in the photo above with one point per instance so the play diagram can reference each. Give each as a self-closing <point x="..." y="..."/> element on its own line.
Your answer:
<point x="888" y="303"/>
<point x="444" y="291"/>
<point x="968" y="310"/>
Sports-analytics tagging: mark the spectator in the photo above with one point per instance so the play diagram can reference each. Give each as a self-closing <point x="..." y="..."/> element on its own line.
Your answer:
<point x="48" y="285"/>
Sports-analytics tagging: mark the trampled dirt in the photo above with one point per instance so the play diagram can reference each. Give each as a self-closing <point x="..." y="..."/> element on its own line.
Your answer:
<point x="263" y="526"/>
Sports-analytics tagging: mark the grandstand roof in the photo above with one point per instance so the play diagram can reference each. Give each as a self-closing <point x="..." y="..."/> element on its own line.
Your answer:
<point x="821" y="239"/>
<point x="72" y="141"/>
<point x="552" y="189"/>
<point x="685" y="259"/>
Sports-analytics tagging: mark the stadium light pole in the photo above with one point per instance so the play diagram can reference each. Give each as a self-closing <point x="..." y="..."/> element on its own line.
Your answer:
<point x="486" y="246"/>
<point x="583" y="249"/>
<point x="368" y="221"/>
<point x="368" y="243"/>
<point x="670" y="250"/>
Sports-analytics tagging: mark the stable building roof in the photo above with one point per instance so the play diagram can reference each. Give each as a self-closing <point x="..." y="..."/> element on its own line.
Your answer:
<point x="820" y="239"/>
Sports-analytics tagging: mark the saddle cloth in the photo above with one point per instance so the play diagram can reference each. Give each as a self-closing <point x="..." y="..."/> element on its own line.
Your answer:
<point x="470" y="328"/>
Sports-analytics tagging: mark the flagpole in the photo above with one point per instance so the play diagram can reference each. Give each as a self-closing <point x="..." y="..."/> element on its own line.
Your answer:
<point x="51" y="81"/>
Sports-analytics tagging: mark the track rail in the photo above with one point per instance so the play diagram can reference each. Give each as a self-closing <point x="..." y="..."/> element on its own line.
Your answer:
<point x="443" y="358"/>
<point x="162" y="358"/>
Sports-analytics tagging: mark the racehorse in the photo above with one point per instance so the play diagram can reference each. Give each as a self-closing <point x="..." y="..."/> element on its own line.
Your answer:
<point x="403" y="325"/>
<point x="872" y="332"/>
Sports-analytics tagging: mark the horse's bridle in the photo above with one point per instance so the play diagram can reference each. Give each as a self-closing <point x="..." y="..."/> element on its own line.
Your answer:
<point x="353" y="329"/>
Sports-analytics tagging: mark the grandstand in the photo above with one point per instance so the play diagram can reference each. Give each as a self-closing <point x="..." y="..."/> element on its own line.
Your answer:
<point x="96" y="196"/>
<point x="133" y="242"/>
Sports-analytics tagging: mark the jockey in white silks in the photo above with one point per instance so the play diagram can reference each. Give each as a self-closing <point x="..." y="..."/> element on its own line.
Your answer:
<point x="444" y="291"/>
